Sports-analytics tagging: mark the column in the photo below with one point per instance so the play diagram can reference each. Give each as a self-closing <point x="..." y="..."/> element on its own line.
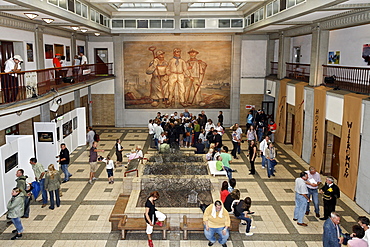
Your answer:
<point x="45" y="112"/>
<point x="319" y="54"/>
<point x="119" y="103"/>
<point x="73" y="46"/>
<point x="235" y="79"/>
<point x="77" y="98"/>
<point x="39" y="48"/>
<point x="269" y="55"/>
<point x="284" y="55"/>
<point x="89" y="99"/>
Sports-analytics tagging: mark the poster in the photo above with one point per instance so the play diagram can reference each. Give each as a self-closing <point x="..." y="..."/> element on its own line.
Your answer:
<point x="333" y="57"/>
<point x="31" y="84"/>
<point x="49" y="51"/>
<point x="29" y="52"/>
<point x="177" y="74"/>
<point x="366" y="53"/>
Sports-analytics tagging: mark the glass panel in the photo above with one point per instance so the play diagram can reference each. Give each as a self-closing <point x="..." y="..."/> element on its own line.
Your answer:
<point x="78" y="8"/>
<point x="84" y="10"/>
<point x="167" y="24"/>
<point x="92" y="15"/>
<point x="186" y="24"/>
<point x="237" y="23"/>
<point x="155" y="23"/>
<point x="142" y="24"/>
<point x="71" y="5"/>
<point x="117" y="23"/>
<point x="199" y="23"/>
<point x="223" y="23"/>
<point x="269" y="10"/>
<point x="291" y="3"/>
<point x="248" y="21"/>
<point x="101" y="19"/>
<point x="130" y="24"/>
<point x="300" y="1"/>
<point x="55" y="2"/>
<point x="260" y="13"/>
<point x="63" y="4"/>
<point x="276" y="7"/>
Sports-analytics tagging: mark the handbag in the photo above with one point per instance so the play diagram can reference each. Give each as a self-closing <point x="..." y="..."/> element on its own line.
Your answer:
<point x="187" y="133"/>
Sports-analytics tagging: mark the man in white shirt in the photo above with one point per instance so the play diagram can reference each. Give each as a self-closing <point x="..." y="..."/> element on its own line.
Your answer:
<point x="364" y="222"/>
<point x="263" y="146"/>
<point x="151" y="133"/>
<point x="9" y="82"/>
<point x="83" y="58"/>
<point x="313" y="182"/>
<point x="157" y="133"/>
<point x="301" y="198"/>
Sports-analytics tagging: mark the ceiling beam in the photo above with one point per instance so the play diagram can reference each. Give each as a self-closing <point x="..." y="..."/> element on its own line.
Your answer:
<point x="349" y="6"/>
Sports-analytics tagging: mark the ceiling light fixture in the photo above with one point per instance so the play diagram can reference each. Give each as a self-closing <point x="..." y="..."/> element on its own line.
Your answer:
<point x="75" y="28"/>
<point x="31" y="16"/>
<point x="97" y="34"/>
<point x="48" y="20"/>
<point x="84" y="30"/>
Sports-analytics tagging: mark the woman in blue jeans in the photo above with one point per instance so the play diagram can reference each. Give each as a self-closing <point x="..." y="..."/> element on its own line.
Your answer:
<point x="16" y="211"/>
<point x="270" y="155"/>
<point x="52" y="184"/>
<point x="241" y="211"/>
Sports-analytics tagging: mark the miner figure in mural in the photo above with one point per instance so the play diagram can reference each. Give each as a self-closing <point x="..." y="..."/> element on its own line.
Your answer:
<point x="159" y="80"/>
<point x="176" y="70"/>
<point x="197" y="69"/>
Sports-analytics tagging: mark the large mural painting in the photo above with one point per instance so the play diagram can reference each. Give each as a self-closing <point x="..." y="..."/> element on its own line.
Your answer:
<point x="171" y="74"/>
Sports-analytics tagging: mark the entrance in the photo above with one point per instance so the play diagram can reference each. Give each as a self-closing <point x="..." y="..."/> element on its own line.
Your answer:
<point x="290" y="123"/>
<point x="269" y="108"/>
<point x="101" y="59"/>
<point x="6" y="52"/>
<point x="331" y="165"/>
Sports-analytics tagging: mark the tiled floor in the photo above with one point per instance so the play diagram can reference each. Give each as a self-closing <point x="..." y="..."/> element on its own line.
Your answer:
<point x="82" y="218"/>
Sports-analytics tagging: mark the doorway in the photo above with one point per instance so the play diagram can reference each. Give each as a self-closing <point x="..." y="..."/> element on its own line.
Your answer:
<point x="6" y="52"/>
<point x="332" y="146"/>
<point x="296" y="54"/>
<point x="101" y="60"/>
<point x="290" y="123"/>
<point x="269" y="108"/>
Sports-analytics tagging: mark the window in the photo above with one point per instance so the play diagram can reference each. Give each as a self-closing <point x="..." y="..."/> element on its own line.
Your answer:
<point x="71" y="5"/>
<point x="63" y="4"/>
<point x="130" y="24"/>
<point x="117" y="23"/>
<point x="167" y="24"/>
<point x="55" y="2"/>
<point x="14" y="130"/>
<point x="237" y="23"/>
<point x="186" y="24"/>
<point x="224" y="23"/>
<point x="92" y="15"/>
<point x="142" y="24"/>
<point x="84" y="10"/>
<point x="155" y="23"/>
<point x="78" y="8"/>
<point x="199" y="23"/>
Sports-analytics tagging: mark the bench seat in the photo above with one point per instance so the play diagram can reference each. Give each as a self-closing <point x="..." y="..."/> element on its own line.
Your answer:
<point x="118" y="211"/>
<point x="213" y="170"/>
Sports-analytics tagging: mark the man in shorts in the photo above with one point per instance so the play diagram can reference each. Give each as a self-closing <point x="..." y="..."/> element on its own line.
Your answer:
<point x="93" y="161"/>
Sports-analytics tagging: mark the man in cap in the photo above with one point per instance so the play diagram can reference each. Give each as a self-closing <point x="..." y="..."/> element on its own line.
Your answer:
<point x="9" y="82"/>
<point x="197" y="69"/>
<point x="176" y="70"/>
<point x="157" y="68"/>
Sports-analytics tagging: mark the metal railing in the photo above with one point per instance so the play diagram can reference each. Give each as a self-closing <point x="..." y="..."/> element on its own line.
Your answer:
<point x="354" y="79"/>
<point x="298" y="71"/>
<point x="30" y="84"/>
<point x="274" y="68"/>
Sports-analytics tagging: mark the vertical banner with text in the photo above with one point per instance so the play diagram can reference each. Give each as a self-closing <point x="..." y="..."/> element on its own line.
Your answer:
<point x="318" y="132"/>
<point x="298" y="118"/>
<point x="281" y="113"/>
<point x="350" y="143"/>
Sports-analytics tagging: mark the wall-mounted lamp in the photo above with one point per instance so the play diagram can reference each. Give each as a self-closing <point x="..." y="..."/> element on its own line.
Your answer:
<point x="31" y="16"/>
<point x="75" y="28"/>
<point x="84" y="30"/>
<point x="97" y="34"/>
<point x="48" y="20"/>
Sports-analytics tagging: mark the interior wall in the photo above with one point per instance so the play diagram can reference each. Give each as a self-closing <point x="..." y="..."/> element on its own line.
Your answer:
<point x="305" y="43"/>
<point x="253" y="62"/>
<point x="249" y="99"/>
<point x="349" y="41"/>
<point x="103" y="44"/>
<point x="276" y="51"/>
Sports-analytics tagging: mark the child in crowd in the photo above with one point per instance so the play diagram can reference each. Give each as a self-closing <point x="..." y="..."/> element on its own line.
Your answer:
<point x="109" y="167"/>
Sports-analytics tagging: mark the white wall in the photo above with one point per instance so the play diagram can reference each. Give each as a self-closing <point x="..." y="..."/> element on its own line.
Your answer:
<point x="253" y="60"/>
<point x="94" y="45"/>
<point x="252" y="85"/>
<point x="334" y="109"/>
<point x="10" y="34"/>
<point x="349" y="42"/>
<point x="84" y="91"/>
<point x="13" y="119"/>
<point x="271" y="85"/>
<point x="51" y="40"/>
<point x="105" y="87"/>
<point x="290" y="94"/>
<point x="305" y="43"/>
<point x="276" y="51"/>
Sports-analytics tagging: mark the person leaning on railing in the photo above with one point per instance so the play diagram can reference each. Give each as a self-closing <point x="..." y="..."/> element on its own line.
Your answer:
<point x="9" y="82"/>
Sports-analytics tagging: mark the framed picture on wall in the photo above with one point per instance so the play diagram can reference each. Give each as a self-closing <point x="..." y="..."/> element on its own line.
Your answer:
<point x="68" y="53"/>
<point x="29" y="52"/>
<point x="49" y="51"/>
<point x="81" y="48"/>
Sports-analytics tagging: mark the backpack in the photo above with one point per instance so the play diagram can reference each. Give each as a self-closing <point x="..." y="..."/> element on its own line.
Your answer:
<point x="96" y="137"/>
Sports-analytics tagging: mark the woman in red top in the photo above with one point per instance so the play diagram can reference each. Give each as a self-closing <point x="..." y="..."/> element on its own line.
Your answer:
<point x="224" y="191"/>
<point x="272" y="129"/>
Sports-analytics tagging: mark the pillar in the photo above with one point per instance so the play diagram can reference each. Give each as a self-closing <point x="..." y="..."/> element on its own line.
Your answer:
<point x="235" y="79"/>
<point x="39" y="48"/>
<point x="77" y="96"/>
<point x="119" y="103"/>
<point x="45" y="112"/>
<point x="319" y="54"/>
<point x="89" y="99"/>
<point x="269" y="55"/>
<point x="73" y="46"/>
<point x="284" y="55"/>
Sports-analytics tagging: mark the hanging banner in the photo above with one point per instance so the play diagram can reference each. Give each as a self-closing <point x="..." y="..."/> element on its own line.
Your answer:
<point x="298" y="118"/>
<point x="30" y="79"/>
<point x="281" y="113"/>
<point x="350" y="143"/>
<point x="318" y="131"/>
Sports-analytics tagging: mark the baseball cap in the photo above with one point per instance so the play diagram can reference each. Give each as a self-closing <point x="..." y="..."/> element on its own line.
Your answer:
<point x="18" y="58"/>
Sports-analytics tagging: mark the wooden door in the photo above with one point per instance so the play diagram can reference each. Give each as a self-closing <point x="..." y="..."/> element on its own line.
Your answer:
<point x="335" y="157"/>
<point x="101" y="60"/>
<point x="6" y="52"/>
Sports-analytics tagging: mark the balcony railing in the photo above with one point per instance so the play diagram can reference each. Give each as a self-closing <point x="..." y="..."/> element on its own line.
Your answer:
<point x="274" y="68"/>
<point x="30" y="84"/>
<point x="298" y="71"/>
<point x="348" y="78"/>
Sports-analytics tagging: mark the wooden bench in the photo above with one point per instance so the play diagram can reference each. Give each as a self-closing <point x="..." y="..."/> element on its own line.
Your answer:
<point x="213" y="170"/>
<point x="118" y="211"/>
<point x="139" y="224"/>
<point x="196" y="224"/>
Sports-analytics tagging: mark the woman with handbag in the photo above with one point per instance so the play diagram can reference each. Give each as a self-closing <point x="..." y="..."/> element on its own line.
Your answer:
<point x="52" y="184"/>
<point x="16" y="211"/>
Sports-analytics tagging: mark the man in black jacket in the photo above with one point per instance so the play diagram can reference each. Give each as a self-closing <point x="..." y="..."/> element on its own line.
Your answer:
<point x="330" y="195"/>
<point x="64" y="162"/>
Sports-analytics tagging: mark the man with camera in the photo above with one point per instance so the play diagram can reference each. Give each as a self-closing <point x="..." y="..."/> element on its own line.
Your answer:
<point x="94" y="161"/>
<point x="9" y="82"/>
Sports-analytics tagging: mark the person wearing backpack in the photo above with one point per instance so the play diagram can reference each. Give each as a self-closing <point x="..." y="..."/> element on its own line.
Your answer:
<point x="241" y="211"/>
